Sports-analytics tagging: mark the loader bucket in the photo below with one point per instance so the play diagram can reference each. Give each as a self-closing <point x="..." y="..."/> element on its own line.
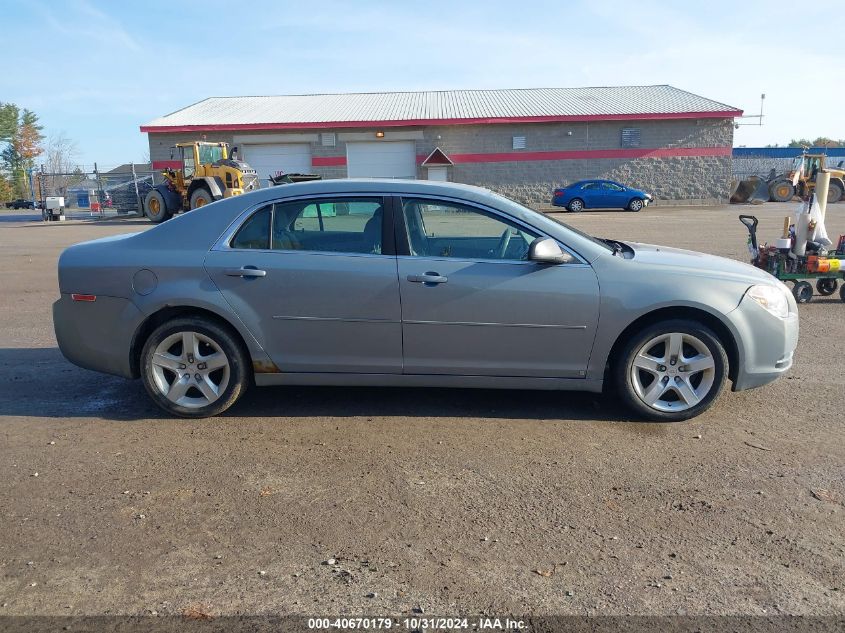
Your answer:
<point x="753" y="189"/>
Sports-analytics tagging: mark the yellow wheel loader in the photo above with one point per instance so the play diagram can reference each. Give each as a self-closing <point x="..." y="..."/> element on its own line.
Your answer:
<point x="807" y="167"/>
<point x="207" y="173"/>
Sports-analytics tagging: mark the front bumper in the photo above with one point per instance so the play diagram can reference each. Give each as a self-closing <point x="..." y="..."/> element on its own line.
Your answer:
<point x="766" y="344"/>
<point x="97" y="335"/>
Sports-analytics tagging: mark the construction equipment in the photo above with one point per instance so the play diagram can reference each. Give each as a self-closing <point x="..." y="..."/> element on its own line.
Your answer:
<point x="797" y="255"/>
<point x="753" y="189"/>
<point x="281" y="178"/>
<point x="207" y="173"/>
<point x="801" y="179"/>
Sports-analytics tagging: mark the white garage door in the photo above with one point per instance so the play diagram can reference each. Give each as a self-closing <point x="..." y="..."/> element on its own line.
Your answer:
<point x="286" y="157"/>
<point x="389" y="159"/>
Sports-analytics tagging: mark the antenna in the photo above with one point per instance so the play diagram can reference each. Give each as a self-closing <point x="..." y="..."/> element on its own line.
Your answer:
<point x="759" y="117"/>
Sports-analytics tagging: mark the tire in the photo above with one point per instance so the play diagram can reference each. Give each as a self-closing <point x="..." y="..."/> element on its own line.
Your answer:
<point x="781" y="191"/>
<point x="155" y="207"/>
<point x="803" y="292"/>
<point x="635" y="205"/>
<point x="834" y="193"/>
<point x="660" y="391"/>
<point x="576" y="205"/>
<point x="842" y="292"/>
<point x="827" y="286"/>
<point x="186" y="383"/>
<point x="200" y="197"/>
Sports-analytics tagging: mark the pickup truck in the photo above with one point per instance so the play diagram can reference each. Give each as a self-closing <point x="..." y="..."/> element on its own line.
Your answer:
<point x="20" y="203"/>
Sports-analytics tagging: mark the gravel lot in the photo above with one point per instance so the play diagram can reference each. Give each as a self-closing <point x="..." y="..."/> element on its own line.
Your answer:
<point x="449" y="501"/>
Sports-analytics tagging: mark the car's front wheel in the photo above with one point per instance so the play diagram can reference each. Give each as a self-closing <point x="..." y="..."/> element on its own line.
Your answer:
<point x="193" y="367"/>
<point x="671" y="371"/>
<point x="635" y="205"/>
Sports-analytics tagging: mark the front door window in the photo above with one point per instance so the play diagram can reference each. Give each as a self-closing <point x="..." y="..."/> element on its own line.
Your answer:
<point x="445" y="229"/>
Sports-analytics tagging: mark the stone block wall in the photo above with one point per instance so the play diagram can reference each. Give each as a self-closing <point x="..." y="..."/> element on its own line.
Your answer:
<point x="482" y="155"/>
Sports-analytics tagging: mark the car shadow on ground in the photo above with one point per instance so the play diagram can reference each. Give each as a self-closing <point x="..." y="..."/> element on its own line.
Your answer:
<point x="40" y="382"/>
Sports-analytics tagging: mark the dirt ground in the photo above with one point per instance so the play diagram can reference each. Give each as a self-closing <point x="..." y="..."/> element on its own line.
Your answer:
<point x="445" y="501"/>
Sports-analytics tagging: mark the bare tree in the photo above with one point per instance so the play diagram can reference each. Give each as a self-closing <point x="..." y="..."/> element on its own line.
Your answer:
<point x="60" y="165"/>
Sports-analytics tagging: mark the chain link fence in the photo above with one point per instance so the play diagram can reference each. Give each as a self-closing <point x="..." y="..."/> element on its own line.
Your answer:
<point x="118" y="191"/>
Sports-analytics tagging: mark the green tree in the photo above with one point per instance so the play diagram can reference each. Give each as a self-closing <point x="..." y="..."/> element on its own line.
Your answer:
<point x="21" y="134"/>
<point x="800" y="142"/>
<point x="9" y="114"/>
<point x="6" y="191"/>
<point x="821" y="141"/>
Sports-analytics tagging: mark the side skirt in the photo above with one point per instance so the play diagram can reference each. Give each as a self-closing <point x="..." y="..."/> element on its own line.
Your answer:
<point x="417" y="380"/>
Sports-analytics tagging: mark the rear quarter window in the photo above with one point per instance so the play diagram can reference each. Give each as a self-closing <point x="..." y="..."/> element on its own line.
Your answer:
<point x="255" y="232"/>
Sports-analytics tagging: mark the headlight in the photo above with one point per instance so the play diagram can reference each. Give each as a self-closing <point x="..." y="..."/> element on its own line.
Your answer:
<point x="772" y="298"/>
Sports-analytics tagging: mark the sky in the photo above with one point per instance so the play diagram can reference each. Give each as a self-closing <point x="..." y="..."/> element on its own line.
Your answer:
<point x="97" y="70"/>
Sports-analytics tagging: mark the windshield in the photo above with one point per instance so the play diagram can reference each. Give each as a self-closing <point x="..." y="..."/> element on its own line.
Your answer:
<point x="507" y="202"/>
<point x="210" y="154"/>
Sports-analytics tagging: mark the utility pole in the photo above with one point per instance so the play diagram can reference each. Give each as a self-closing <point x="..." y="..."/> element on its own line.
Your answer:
<point x="137" y="193"/>
<point x="100" y="195"/>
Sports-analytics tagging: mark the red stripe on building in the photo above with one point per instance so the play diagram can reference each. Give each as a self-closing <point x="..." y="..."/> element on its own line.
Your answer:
<point x="167" y="164"/>
<point x="575" y="118"/>
<point x="663" y="152"/>
<point x="328" y="161"/>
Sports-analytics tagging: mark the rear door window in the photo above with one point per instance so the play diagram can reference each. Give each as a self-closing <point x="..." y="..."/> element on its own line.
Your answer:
<point x="336" y="225"/>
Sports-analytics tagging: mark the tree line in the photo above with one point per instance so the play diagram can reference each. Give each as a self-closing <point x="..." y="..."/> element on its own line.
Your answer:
<point x="821" y="141"/>
<point x="21" y="142"/>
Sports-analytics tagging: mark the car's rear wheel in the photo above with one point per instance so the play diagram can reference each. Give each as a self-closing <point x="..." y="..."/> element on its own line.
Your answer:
<point x="576" y="205"/>
<point x="193" y="367"/>
<point x="672" y="370"/>
<point x="635" y="205"/>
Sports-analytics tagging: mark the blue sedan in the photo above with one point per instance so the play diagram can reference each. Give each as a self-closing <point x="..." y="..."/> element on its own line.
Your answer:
<point x="600" y="194"/>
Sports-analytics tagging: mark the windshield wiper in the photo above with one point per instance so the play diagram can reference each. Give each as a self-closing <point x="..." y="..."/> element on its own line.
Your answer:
<point x="617" y="247"/>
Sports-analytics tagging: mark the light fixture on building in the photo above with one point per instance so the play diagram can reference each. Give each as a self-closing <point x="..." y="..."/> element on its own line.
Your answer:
<point x="379" y="134"/>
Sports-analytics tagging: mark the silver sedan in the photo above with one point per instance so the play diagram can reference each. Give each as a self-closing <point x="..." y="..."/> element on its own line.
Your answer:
<point x="413" y="283"/>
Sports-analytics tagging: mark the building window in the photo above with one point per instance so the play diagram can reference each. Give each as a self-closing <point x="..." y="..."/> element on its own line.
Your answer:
<point x="519" y="142"/>
<point x="328" y="139"/>
<point x="630" y="137"/>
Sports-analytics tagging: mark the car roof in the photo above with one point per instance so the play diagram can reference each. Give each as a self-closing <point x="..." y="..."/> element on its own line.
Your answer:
<point x="365" y="185"/>
<point x="589" y="180"/>
<point x="205" y="227"/>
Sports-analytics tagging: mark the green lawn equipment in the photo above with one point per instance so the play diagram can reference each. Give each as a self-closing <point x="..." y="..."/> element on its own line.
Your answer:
<point x="788" y="261"/>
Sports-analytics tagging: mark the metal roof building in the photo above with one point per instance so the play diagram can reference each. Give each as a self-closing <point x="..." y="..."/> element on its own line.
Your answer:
<point x="536" y="105"/>
<point x="522" y="142"/>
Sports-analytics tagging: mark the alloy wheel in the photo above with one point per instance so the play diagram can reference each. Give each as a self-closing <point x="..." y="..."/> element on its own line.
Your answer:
<point x="673" y="372"/>
<point x="190" y="369"/>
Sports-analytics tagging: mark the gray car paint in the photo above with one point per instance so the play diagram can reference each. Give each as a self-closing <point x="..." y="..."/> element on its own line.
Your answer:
<point x="554" y="329"/>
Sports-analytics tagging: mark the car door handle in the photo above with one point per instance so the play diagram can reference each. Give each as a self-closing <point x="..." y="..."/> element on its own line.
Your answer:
<point x="245" y="271"/>
<point x="428" y="278"/>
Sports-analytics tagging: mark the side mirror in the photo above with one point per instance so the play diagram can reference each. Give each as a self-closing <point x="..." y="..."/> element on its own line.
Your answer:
<point x="544" y="250"/>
